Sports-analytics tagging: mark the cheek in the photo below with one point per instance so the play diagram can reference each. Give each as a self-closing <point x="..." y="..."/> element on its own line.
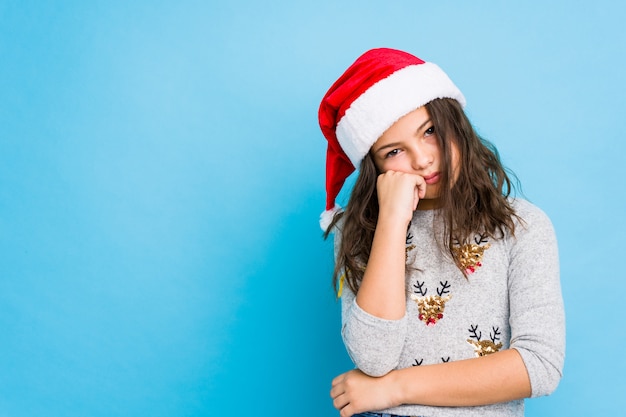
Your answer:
<point x="381" y="165"/>
<point x="398" y="164"/>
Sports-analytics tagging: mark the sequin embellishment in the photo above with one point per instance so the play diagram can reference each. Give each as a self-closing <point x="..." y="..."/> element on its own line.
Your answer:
<point x="409" y="247"/>
<point x="431" y="308"/>
<point x="470" y="255"/>
<point x="484" y="347"/>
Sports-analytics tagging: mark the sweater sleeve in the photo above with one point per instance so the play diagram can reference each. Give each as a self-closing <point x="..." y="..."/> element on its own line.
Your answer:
<point x="537" y="315"/>
<point x="374" y="344"/>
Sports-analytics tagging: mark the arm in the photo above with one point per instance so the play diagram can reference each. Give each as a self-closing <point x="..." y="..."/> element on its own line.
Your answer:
<point x="489" y="379"/>
<point x="373" y="320"/>
<point x="382" y="291"/>
<point x="537" y="315"/>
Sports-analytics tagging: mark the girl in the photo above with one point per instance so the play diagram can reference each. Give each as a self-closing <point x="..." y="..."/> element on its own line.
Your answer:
<point x="451" y="301"/>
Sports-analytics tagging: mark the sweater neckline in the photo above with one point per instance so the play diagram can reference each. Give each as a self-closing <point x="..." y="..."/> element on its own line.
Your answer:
<point x="429" y="205"/>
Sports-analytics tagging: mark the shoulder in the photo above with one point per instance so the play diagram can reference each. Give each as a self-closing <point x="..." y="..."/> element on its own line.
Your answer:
<point x="529" y="214"/>
<point x="531" y="222"/>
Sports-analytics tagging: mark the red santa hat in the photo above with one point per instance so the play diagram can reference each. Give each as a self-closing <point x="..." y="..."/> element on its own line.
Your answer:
<point x="380" y="87"/>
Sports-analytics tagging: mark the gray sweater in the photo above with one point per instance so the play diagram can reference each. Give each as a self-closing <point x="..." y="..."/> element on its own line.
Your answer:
<point x="510" y="299"/>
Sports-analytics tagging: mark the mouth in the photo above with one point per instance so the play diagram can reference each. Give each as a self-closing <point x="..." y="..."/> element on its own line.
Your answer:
<point x="432" y="178"/>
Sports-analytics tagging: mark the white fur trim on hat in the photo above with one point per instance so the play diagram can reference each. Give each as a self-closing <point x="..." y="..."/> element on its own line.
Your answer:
<point x="327" y="216"/>
<point x="374" y="111"/>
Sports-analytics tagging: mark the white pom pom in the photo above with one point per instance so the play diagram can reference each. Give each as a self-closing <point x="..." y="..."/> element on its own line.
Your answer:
<point x="326" y="217"/>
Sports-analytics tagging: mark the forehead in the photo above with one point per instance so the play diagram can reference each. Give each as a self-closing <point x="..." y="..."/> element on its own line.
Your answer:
<point x="409" y="124"/>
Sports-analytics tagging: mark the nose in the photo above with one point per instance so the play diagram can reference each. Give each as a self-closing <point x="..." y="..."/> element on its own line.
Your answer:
<point x="421" y="158"/>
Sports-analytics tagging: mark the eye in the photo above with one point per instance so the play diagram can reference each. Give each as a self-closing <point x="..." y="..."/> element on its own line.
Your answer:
<point x="392" y="153"/>
<point x="429" y="131"/>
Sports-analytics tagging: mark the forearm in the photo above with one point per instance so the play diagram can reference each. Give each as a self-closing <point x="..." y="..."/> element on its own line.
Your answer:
<point x="498" y="377"/>
<point x="382" y="292"/>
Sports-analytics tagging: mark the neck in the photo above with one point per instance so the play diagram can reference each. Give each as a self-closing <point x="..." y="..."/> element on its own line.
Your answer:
<point x="430" y="204"/>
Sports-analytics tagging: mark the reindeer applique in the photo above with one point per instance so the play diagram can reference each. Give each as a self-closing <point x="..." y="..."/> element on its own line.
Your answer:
<point x="409" y="246"/>
<point x="470" y="255"/>
<point x="419" y="362"/>
<point x="484" y="347"/>
<point x="431" y="307"/>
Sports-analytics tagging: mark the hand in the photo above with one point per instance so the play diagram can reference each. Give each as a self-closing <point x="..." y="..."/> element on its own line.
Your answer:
<point x="354" y="392"/>
<point x="399" y="193"/>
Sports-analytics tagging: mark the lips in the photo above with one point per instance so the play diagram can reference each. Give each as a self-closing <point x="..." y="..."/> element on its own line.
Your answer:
<point x="432" y="178"/>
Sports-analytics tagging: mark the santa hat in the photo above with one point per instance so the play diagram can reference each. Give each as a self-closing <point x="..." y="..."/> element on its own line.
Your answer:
<point x="380" y="87"/>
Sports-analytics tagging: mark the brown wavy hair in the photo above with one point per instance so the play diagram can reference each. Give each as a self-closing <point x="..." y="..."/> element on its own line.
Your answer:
<point x="477" y="202"/>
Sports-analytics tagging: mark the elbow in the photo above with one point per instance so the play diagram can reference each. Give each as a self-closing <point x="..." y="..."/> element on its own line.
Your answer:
<point x="374" y="345"/>
<point x="546" y="382"/>
<point x="553" y="387"/>
<point x="544" y="375"/>
<point x="372" y="362"/>
<point x="374" y="369"/>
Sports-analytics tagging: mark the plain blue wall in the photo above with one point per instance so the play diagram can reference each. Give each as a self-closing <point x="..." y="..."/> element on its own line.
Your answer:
<point x="161" y="176"/>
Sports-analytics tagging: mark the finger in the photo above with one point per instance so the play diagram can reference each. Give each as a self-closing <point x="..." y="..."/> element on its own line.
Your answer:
<point x="346" y="411"/>
<point x="419" y="191"/>
<point x="341" y="402"/>
<point x="338" y="379"/>
<point x="421" y="187"/>
<point x="336" y="391"/>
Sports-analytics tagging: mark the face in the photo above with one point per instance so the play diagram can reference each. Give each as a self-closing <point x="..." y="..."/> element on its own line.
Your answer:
<point x="410" y="145"/>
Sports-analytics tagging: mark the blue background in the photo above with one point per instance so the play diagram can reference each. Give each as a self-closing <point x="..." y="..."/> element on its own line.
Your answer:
<point x="162" y="173"/>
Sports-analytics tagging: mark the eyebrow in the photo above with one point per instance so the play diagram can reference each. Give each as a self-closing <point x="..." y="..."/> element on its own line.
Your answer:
<point x="395" y="144"/>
